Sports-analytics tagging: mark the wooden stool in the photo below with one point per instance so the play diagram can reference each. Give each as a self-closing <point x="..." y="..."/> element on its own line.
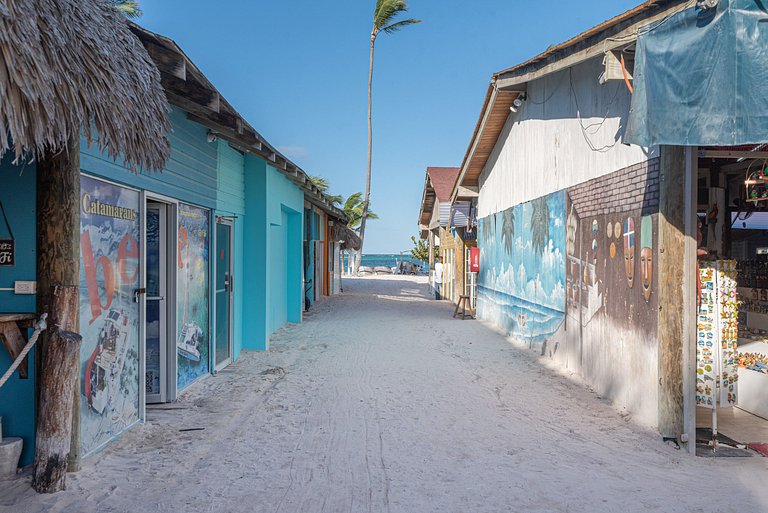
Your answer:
<point x="465" y="305"/>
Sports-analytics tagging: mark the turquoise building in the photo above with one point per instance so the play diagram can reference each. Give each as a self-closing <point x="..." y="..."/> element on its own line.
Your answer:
<point x="181" y="270"/>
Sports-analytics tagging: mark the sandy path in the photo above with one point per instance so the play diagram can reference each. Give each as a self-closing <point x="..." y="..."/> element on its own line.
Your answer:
<point x="379" y="402"/>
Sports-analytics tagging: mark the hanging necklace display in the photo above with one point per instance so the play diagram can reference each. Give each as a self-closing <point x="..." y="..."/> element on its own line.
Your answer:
<point x="7" y="246"/>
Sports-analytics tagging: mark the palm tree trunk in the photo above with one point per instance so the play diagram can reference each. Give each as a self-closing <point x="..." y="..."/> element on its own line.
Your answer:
<point x="370" y="154"/>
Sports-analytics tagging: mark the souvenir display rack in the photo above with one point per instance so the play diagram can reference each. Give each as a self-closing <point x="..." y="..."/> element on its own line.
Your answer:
<point x="717" y="339"/>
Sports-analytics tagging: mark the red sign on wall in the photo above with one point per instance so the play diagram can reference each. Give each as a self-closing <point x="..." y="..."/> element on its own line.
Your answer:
<point x="474" y="260"/>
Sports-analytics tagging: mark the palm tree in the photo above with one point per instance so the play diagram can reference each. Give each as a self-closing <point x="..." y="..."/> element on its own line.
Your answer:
<point x="130" y="8"/>
<point x="323" y="184"/>
<point x="353" y="208"/>
<point x="508" y="230"/>
<point x="384" y="16"/>
<point x="540" y="225"/>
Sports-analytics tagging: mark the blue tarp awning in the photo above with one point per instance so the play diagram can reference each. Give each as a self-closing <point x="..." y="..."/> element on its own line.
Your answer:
<point x="701" y="78"/>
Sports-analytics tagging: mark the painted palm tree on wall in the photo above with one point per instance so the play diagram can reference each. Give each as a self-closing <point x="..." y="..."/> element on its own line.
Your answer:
<point x="539" y="225"/>
<point x="508" y="230"/>
<point x="384" y="20"/>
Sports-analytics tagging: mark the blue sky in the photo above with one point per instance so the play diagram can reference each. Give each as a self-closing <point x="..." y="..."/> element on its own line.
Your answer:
<point x="298" y="70"/>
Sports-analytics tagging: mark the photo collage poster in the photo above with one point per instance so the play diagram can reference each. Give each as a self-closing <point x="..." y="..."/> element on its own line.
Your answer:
<point x="192" y="334"/>
<point x="109" y="316"/>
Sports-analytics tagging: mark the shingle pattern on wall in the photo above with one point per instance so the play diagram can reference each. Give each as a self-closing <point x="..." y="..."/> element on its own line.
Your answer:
<point x="627" y="190"/>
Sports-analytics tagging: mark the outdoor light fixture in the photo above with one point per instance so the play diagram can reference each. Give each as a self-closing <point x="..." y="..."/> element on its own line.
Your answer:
<point x="212" y="137"/>
<point x="518" y="102"/>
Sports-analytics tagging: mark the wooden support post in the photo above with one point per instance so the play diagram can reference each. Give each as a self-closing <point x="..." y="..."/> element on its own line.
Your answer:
<point x="672" y="230"/>
<point x="58" y="264"/>
<point x="431" y="239"/>
<point x="58" y="382"/>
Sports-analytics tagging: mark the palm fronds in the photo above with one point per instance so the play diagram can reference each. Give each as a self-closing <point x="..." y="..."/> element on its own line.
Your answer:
<point x="129" y="8"/>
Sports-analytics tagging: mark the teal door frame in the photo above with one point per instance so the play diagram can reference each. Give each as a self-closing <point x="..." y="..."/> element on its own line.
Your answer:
<point x="224" y="292"/>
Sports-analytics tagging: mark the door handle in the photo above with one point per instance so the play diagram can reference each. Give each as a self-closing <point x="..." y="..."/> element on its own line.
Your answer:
<point x="137" y="293"/>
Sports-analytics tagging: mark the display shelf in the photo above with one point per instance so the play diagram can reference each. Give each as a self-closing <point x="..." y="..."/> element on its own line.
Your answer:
<point x="753" y="392"/>
<point x="753" y="385"/>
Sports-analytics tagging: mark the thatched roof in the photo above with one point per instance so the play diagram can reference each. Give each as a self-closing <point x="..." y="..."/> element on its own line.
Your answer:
<point x="65" y="64"/>
<point x="340" y="232"/>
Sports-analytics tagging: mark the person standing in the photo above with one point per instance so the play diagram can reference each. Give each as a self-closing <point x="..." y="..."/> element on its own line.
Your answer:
<point x="439" y="278"/>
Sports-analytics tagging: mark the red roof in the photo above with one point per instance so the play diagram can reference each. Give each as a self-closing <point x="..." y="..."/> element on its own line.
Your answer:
<point x="443" y="179"/>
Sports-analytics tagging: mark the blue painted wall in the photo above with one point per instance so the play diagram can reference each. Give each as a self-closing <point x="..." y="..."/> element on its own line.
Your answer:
<point x="17" y="396"/>
<point x="273" y="249"/>
<point x="231" y="202"/>
<point x="189" y="175"/>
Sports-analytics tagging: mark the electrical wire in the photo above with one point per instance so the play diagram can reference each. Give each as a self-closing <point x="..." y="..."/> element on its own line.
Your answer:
<point x="585" y="129"/>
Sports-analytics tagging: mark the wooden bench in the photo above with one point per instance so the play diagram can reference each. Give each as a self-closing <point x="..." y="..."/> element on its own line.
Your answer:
<point x="465" y="305"/>
<point x="11" y="336"/>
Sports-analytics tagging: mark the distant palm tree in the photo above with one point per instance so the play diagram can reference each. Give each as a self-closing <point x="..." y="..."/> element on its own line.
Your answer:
<point x="539" y="225"/>
<point x="323" y="184"/>
<point x="508" y="230"/>
<point x="353" y="208"/>
<point x="130" y="8"/>
<point x="383" y="21"/>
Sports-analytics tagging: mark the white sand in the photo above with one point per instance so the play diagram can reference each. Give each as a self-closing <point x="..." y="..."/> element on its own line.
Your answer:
<point x="380" y="402"/>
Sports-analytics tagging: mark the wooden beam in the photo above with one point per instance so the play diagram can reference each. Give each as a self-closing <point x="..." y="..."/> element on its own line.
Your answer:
<point x="190" y="92"/>
<point x="672" y="241"/>
<point x="167" y="60"/>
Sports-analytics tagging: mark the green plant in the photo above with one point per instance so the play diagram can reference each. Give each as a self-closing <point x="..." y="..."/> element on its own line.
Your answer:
<point x="420" y="250"/>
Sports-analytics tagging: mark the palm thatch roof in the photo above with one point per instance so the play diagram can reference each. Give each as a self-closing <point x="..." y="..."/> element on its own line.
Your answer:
<point x="340" y="232"/>
<point x="66" y="65"/>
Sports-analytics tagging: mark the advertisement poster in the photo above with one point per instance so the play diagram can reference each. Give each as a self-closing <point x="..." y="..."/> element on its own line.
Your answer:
<point x="109" y="317"/>
<point x="192" y="342"/>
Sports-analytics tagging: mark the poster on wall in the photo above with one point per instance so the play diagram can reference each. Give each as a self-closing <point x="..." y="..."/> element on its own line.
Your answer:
<point x="192" y="334"/>
<point x="109" y="316"/>
<point x="521" y="284"/>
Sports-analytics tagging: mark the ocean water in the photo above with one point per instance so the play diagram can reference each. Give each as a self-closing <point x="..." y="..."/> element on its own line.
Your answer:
<point x="516" y="315"/>
<point x="387" y="260"/>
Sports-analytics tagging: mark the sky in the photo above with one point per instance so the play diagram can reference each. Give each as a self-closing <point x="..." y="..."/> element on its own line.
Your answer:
<point x="297" y="71"/>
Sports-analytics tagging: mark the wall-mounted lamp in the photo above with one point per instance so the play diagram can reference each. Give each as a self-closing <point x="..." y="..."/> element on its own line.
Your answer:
<point x="212" y="136"/>
<point x="518" y="102"/>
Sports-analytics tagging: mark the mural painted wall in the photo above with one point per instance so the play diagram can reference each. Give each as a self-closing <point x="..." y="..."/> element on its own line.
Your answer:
<point x="109" y="317"/>
<point x="521" y="285"/>
<point x="192" y="334"/>
<point x="611" y="249"/>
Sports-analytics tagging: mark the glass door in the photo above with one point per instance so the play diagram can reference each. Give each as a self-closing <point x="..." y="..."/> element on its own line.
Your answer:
<point x="156" y="321"/>
<point x="224" y="292"/>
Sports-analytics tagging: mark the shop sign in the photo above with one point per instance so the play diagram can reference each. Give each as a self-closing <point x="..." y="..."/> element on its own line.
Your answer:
<point x="7" y="246"/>
<point x="474" y="260"/>
<point x="7" y="252"/>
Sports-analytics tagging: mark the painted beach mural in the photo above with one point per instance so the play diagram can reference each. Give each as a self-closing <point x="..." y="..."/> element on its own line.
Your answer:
<point x="521" y="284"/>
<point x="109" y="316"/>
<point x="192" y="335"/>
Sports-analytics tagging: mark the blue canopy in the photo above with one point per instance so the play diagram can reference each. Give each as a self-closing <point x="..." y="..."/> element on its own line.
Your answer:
<point x="701" y="78"/>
